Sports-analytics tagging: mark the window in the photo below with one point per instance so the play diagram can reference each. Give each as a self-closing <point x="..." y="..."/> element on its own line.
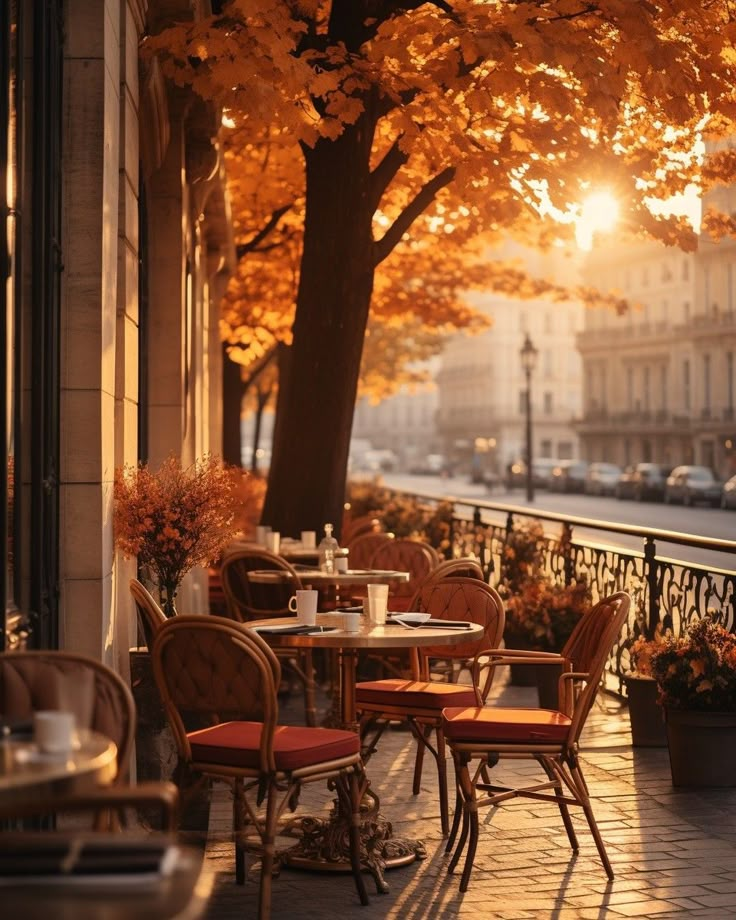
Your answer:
<point x="647" y="393"/>
<point x="663" y="387"/>
<point x="686" y="269"/>
<point x="729" y="381"/>
<point x="522" y="402"/>
<point x="630" y="387"/>
<point x="545" y="448"/>
<point x="547" y="323"/>
<point x="686" y="311"/>
<point x="706" y="383"/>
<point x="548" y="403"/>
<point x="645" y="275"/>
<point x="686" y="385"/>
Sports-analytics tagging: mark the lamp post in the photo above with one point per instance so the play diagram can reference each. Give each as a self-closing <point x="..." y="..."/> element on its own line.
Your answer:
<point x="528" y="355"/>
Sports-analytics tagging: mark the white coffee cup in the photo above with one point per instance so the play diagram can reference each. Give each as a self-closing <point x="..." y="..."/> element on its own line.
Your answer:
<point x="53" y="731"/>
<point x="341" y="563"/>
<point x="309" y="539"/>
<point x="261" y="531"/>
<point x="377" y="604"/>
<point x="273" y="541"/>
<point x="351" y="621"/>
<point x="304" y="605"/>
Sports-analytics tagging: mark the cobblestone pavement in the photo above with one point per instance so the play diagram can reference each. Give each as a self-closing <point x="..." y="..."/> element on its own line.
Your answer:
<point x="673" y="851"/>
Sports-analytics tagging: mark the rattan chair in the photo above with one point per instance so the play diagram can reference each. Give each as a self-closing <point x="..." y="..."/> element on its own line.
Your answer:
<point x="413" y="556"/>
<point x="362" y="547"/>
<point x="207" y="666"/>
<point x="246" y="600"/>
<point x="150" y="616"/>
<point x="421" y="700"/>
<point x="551" y="737"/>
<point x="100" y="701"/>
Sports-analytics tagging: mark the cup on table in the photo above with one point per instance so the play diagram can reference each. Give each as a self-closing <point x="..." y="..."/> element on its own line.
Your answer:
<point x="309" y="539"/>
<point x="273" y="541"/>
<point x="351" y="621"/>
<point x="377" y="604"/>
<point x="304" y="605"/>
<point x="53" y="731"/>
<point x="341" y="563"/>
<point x="261" y="531"/>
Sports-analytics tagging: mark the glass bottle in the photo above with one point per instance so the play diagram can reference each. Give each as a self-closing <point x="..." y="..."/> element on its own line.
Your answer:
<point x="327" y="548"/>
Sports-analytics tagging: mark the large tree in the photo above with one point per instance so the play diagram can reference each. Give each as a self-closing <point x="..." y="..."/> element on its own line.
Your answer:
<point x="457" y="117"/>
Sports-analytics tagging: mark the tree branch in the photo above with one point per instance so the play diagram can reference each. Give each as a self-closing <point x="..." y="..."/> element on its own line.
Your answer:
<point x="244" y="248"/>
<point x="421" y="201"/>
<point x="385" y="171"/>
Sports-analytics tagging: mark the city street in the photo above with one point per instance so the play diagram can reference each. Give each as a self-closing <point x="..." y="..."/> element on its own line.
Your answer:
<point x="699" y="521"/>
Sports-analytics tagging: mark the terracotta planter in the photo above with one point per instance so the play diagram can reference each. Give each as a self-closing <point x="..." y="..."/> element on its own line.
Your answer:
<point x="647" y="717"/>
<point x="702" y="747"/>
<point x="548" y="677"/>
<point x="522" y="675"/>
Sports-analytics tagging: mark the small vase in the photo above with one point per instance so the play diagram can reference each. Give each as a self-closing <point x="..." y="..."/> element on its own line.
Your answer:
<point x="702" y="747"/>
<point x="167" y="598"/>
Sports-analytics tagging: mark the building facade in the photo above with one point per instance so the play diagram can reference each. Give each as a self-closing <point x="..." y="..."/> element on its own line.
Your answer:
<point x="116" y="244"/>
<point x="481" y="384"/>
<point x="659" y="380"/>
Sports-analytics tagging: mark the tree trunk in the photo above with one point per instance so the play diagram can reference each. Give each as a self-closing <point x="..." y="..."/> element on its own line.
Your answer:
<point x="317" y="396"/>
<point x="232" y="399"/>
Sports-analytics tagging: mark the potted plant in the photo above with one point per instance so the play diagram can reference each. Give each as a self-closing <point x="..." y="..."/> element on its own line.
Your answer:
<point x="541" y="617"/>
<point x="645" y="713"/>
<point x="696" y="675"/>
<point x="174" y="519"/>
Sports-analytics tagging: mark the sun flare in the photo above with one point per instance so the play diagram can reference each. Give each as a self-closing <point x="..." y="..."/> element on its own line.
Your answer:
<point x="598" y="214"/>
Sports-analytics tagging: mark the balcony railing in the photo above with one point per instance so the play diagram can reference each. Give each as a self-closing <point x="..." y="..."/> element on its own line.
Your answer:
<point x="667" y="592"/>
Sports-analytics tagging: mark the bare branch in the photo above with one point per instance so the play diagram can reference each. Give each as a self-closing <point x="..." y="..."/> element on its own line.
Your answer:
<point x="421" y="201"/>
<point x="244" y="248"/>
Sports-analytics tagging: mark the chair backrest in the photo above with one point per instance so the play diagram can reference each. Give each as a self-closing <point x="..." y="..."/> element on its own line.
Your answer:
<point x="245" y="600"/>
<point x="355" y="527"/>
<point x="99" y="698"/>
<point x="150" y="616"/>
<point x="461" y="599"/>
<point x="464" y="567"/>
<point x="208" y="666"/>
<point x="364" y="546"/>
<point x="592" y="641"/>
<point x="412" y="556"/>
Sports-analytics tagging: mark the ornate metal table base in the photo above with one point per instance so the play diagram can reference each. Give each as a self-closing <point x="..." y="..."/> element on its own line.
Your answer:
<point x="323" y="843"/>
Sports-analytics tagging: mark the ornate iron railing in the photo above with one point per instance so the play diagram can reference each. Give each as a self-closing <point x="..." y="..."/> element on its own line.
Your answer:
<point x="667" y="592"/>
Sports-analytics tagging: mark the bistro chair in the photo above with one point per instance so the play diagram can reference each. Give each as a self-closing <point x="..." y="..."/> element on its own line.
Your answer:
<point x="246" y="600"/>
<point x="100" y="701"/>
<point x="420" y="700"/>
<point x="362" y="547"/>
<point x="150" y="616"/>
<point x="355" y="527"/>
<point x="551" y="737"/>
<point x="413" y="556"/>
<point x="207" y="666"/>
<point x="463" y="567"/>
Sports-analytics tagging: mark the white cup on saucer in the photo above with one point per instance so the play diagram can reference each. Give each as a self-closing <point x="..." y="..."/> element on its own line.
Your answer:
<point x="53" y="731"/>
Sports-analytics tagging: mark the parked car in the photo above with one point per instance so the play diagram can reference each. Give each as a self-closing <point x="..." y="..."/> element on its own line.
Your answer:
<point x="649" y="481"/>
<point x="626" y="483"/>
<point x="569" y="476"/>
<point x="728" y="496"/>
<point x="691" y="484"/>
<point x="542" y="469"/>
<point x="602" y="478"/>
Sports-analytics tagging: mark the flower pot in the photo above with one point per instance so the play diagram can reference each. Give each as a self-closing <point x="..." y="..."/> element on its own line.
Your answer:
<point x="647" y="717"/>
<point x="523" y="675"/>
<point x="548" y="676"/>
<point x="702" y="747"/>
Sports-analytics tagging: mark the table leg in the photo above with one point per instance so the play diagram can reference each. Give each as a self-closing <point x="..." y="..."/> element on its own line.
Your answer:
<point x="323" y="844"/>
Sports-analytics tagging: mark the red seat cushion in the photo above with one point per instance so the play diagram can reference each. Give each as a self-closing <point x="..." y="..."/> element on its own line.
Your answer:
<point x="237" y="744"/>
<point x="413" y="694"/>
<point x="505" y="725"/>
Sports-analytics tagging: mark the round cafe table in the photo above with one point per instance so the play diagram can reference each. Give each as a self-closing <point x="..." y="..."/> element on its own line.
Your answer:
<point x="319" y="844"/>
<point x="27" y="776"/>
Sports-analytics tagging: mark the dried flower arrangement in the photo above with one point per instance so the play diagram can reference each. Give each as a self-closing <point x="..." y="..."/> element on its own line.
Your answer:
<point x="175" y="518"/>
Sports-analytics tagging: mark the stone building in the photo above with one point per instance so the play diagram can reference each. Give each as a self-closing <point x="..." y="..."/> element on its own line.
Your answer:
<point x="116" y="243"/>
<point x="481" y="384"/>
<point x="659" y="380"/>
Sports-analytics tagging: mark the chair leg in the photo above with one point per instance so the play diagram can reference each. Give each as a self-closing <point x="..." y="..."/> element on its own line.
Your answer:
<point x="310" y="706"/>
<point x="354" y="789"/>
<point x="470" y="828"/>
<point x="239" y="832"/>
<point x="457" y="816"/>
<point x="419" y="757"/>
<point x="564" y="810"/>
<point x="461" y="767"/>
<point x="582" y="793"/>
<point x="442" y="778"/>
<point x="268" y="852"/>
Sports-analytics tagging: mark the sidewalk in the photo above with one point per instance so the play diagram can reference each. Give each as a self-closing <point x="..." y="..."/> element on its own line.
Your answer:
<point x="673" y="851"/>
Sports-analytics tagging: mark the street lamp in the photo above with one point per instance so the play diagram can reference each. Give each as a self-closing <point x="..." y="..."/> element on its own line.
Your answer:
<point x="528" y="355"/>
